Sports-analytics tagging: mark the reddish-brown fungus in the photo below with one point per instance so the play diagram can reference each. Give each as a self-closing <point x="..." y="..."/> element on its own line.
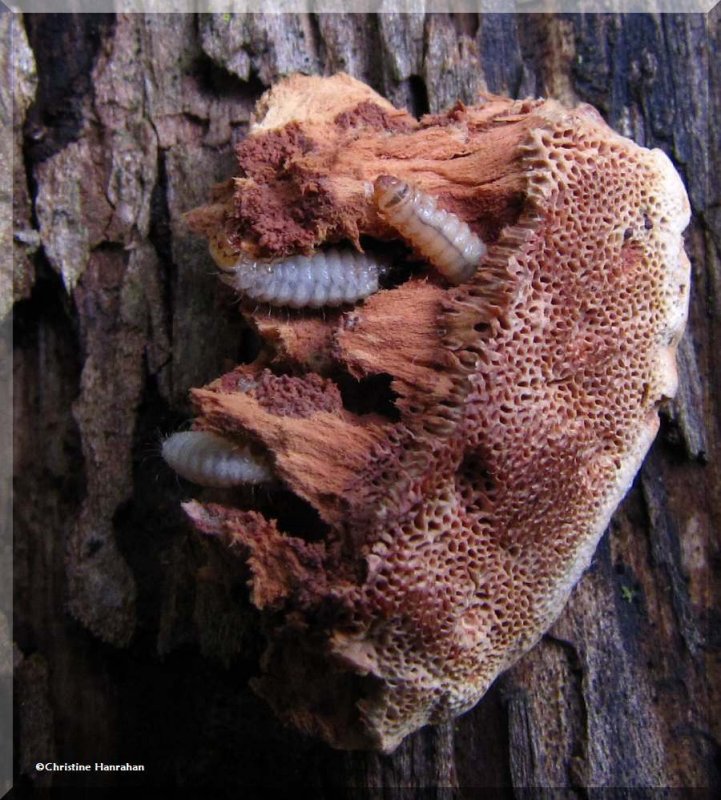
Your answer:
<point x="524" y="400"/>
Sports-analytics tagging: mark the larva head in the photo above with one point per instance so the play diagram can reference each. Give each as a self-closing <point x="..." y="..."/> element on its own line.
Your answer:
<point x="457" y="512"/>
<point x="223" y="254"/>
<point x="227" y="269"/>
<point x="389" y="192"/>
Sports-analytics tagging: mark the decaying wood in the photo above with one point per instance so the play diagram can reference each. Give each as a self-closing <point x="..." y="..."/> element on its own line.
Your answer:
<point x="323" y="195"/>
<point x="18" y="239"/>
<point x="145" y="111"/>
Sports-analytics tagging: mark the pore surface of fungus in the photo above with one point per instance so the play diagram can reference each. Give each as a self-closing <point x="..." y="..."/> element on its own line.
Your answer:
<point x="456" y="507"/>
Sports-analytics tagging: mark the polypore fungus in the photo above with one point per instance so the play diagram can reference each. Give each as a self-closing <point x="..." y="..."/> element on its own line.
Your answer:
<point x="459" y="504"/>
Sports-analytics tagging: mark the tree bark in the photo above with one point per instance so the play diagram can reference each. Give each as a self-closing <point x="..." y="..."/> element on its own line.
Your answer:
<point x="128" y="649"/>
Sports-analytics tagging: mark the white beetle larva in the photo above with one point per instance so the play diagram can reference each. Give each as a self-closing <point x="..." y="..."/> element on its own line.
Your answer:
<point x="327" y="278"/>
<point x="208" y="459"/>
<point x="441" y="237"/>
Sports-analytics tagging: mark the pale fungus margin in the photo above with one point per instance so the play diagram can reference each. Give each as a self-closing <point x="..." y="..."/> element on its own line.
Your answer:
<point x="451" y="531"/>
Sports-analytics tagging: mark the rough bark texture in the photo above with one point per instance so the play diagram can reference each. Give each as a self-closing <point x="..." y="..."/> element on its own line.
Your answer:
<point x="135" y="639"/>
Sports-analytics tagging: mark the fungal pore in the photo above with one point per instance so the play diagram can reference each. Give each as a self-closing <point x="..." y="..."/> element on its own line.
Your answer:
<point x="458" y="492"/>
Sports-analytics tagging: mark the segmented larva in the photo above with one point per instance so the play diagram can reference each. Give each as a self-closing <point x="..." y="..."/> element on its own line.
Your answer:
<point x="208" y="459"/>
<point x="327" y="278"/>
<point x="442" y="238"/>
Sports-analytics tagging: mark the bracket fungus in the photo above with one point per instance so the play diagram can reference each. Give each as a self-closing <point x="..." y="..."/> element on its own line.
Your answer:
<point x="457" y="507"/>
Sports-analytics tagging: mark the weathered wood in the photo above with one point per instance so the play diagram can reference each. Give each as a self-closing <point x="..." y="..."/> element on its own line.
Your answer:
<point x="136" y="641"/>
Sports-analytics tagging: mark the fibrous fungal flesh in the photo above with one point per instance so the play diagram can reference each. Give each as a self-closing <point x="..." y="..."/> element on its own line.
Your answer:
<point x="441" y="237"/>
<point x="208" y="459"/>
<point x="328" y="278"/>
<point x="454" y="509"/>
